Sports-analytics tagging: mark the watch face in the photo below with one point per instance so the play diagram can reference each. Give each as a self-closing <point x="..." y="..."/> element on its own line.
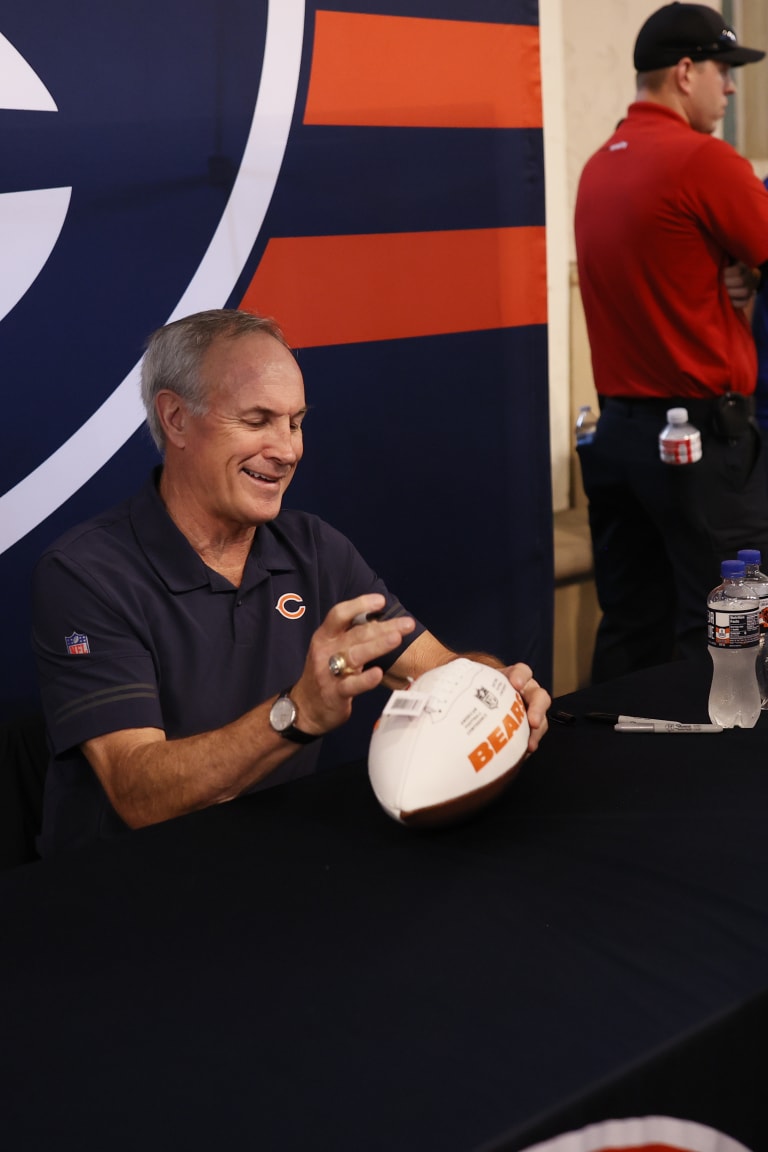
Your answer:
<point x="283" y="713"/>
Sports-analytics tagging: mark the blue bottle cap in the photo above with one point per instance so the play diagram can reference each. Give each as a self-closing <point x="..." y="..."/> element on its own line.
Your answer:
<point x="749" y="555"/>
<point x="732" y="569"/>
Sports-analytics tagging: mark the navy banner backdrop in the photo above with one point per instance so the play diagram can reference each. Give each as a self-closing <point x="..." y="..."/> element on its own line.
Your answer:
<point x="371" y="174"/>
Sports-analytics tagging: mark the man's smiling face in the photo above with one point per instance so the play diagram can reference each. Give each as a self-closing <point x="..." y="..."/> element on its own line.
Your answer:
<point x="239" y="456"/>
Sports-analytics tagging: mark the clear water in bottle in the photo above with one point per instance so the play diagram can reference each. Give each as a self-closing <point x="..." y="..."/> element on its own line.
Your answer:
<point x="679" y="442"/>
<point x="733" y="635"/>
<point x="752" y="560"/>
<point x="586" y="425"/>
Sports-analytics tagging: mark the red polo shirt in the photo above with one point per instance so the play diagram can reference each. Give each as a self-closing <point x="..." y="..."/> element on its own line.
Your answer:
<point x="661" y="210"/>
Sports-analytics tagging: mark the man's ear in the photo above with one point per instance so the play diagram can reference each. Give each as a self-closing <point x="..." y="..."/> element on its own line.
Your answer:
<point x="173" y="415"/>
<point x="683" y="74"/>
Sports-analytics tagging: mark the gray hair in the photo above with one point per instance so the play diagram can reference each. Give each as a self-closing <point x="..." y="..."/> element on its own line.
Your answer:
<point x="174" y="356"/>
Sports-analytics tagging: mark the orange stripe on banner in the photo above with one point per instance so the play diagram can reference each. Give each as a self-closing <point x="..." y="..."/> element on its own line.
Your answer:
<point x="348" y="289"/>
<point x="406" y="71"/>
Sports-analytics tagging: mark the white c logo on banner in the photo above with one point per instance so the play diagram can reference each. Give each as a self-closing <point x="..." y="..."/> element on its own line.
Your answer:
<point x="71" y="465"/>
<point x="30" y="222"/>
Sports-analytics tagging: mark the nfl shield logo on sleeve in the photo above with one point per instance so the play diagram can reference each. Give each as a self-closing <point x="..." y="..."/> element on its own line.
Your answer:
<point x="77" y="644"/>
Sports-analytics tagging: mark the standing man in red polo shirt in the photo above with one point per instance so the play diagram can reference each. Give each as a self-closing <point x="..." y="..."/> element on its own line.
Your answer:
<point x="662" y="209"/>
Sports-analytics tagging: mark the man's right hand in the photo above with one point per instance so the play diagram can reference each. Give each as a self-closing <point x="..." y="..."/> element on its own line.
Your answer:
<point x="740" y="284"/>
<point x="324" y="700"/>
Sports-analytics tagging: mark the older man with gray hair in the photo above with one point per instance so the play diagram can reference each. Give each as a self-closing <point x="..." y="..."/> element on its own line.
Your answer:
<point x="195" y="642"/>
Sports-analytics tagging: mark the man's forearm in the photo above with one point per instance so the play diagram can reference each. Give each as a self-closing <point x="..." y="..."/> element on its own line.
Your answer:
<point x="149" y="779"/>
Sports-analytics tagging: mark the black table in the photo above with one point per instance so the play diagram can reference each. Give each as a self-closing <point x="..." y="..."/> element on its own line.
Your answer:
<point x="296" y="970"/>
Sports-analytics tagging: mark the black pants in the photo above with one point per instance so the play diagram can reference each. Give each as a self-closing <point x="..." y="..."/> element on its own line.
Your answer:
<point x="659" y="532"/>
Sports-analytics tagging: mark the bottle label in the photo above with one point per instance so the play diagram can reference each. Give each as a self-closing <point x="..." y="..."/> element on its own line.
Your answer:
<point x="685" y="450"/>
<point x="764" y="614"/>
<point x="728" y="629"/>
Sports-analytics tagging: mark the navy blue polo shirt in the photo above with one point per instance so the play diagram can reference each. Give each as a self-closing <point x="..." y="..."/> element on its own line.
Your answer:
<point x="131" y="629"/>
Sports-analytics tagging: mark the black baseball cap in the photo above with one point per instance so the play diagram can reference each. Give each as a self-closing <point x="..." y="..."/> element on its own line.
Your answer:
<point x="694" y="30"/>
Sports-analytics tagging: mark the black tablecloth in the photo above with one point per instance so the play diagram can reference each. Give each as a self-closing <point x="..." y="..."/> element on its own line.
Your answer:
<point x="296" y="970"/>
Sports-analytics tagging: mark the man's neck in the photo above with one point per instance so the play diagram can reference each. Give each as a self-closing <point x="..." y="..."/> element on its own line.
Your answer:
<point x="663" y="99"/>
<point x="224" y="548"/>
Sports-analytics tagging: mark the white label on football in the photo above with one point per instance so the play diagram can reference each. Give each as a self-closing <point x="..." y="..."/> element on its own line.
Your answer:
<point x="405" y="703"/>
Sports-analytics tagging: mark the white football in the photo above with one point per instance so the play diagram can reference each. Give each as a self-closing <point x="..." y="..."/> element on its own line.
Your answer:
<point x="447" y="745"/>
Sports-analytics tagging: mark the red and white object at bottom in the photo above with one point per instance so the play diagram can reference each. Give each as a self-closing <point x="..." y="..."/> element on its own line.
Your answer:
<point x="679" y="441"/>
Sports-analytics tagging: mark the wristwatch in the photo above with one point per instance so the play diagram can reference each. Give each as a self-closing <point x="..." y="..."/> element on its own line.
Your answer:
<point x="282" y="716"/>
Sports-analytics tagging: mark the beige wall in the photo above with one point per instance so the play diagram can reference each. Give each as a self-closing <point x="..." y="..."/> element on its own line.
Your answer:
<point x="598" y="38"/>
<point x="751" y="22"/>
<point x="588" y="81"/>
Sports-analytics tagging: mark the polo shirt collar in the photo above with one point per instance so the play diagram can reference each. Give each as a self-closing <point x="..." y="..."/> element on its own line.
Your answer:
<point x="175" y="560"/>
<point x="649" y="110"/>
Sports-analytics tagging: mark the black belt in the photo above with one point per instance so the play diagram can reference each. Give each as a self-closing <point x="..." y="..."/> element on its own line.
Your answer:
<point x="699" y="409"/>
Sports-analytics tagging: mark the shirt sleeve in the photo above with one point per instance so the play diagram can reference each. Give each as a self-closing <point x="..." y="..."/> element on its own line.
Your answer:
<point x="731" y="201"/>
<point x="95" y="674"/>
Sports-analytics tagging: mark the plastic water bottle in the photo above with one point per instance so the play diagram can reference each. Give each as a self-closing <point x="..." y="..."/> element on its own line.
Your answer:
<point x="733" y="635"/>
<point x="679" y="442"/>
<point x="586" y="425"/>
<point x="752" y="560"/>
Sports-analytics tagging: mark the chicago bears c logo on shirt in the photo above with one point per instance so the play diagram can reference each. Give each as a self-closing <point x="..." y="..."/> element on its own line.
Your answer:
<point x="291" y="606"/>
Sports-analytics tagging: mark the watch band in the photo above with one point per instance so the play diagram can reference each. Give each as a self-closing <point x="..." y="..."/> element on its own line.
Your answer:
<point x="297" y="736"/>
<point x="288" y="730"/>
